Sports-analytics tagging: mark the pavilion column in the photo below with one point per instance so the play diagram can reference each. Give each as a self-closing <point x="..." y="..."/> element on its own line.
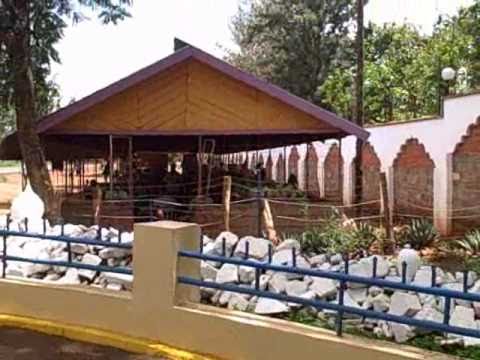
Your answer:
<point x="110" y="159"/>
<point x="200" y="167"/>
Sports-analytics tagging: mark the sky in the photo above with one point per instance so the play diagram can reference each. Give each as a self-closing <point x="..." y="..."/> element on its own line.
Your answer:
<point x="93" y="55"/>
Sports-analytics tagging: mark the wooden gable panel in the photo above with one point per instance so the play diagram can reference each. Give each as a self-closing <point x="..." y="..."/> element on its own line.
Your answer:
<point x="151" y="105"/>
<point x="213" y="95"/>
<point x="190" y="96"/>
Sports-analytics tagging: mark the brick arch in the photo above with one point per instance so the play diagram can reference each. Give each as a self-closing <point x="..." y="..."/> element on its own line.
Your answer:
<point x="312" y="185"/>
<point x="465" y="179"/>
<point x="371" y="167"/>
<point x="280" y="169"/>
<point x="269" y="167"/>
<point x="413" y="180"/>
<point x="333" y="173"/>
<point x="293" y="159"/>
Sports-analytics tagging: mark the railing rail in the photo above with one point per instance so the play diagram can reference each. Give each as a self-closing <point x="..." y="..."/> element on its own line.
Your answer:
<point x="343" y="279"/>
<point x="5" y="258"/>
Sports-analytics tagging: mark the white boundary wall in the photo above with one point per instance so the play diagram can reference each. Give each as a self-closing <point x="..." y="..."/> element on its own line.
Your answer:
<point x="438" y="135"/>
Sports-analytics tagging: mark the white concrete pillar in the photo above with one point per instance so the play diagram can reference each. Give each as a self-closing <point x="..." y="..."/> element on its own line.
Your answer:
<point x="348" y="182"/>
<point x="442" y="200"/>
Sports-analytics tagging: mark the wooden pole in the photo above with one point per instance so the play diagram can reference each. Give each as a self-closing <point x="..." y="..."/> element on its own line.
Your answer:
<point x="340" y="171"/>
<point x="130" y="167"/>
<point x="385" y="208"/>
<point x="110" y="159"/>
<point x="269" y="223"/>
<point x="227" y="191"/>
<point x="199" y="163"/>
<point x="358" y="175"/>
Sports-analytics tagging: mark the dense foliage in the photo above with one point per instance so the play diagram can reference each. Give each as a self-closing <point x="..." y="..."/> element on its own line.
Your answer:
<point x="337" y="237"/>
<point x="293" y="43"/>
<point x="307" y="48"/>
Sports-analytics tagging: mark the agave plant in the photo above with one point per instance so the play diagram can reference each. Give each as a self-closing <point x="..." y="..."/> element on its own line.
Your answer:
<point x="470" y="242"/>
<point x="421" y="234"/>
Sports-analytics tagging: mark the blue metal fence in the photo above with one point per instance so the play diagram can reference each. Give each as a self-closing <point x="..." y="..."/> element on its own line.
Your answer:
<point x="5" y="258"/>
<point x="343" y="278"/>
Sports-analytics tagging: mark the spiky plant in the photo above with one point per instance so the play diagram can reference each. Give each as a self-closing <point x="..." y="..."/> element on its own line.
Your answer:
<point x="421" y="234"/>
<point x="470" y="242"/>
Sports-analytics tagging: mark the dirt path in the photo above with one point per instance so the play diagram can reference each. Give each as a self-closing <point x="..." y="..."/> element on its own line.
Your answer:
<point x="10" y="186"/>
<point x="18" y="344"/>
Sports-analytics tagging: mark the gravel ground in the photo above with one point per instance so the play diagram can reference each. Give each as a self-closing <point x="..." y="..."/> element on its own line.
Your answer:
<point x="16" y="344"/>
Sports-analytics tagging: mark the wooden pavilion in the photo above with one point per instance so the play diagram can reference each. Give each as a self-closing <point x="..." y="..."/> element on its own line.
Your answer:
<point x="189" y="102"/>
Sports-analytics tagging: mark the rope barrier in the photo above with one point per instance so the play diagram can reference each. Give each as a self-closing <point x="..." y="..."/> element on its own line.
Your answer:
<point x="301" y="220"/>
<point x="306" y="204"/>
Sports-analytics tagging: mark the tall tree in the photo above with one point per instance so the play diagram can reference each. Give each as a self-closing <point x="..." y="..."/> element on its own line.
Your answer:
<point x="28" y="31"/>
<point x="293" y="43"/>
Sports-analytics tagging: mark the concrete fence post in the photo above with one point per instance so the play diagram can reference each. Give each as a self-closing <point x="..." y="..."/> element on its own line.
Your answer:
<point x="156" y="264"/>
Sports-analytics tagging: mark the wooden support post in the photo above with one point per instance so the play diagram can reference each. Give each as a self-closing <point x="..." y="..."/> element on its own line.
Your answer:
<point x="110" y="160"/>
<point x="269" y="223"/>
<point x="385" y="208"/>
<point x="340" y="171"/>
<point x="200" y="167"/>
<point x="130" y="167"/>
<point x="97" y="205"/>
<point x="227" y="191"/>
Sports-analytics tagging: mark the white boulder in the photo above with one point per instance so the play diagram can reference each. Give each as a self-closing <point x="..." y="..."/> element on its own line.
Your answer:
<point x="412" y="260"/>
<point x="267" y="306"/>
<point x="323" y="288"/>
<point x="402" y="303"/>
<point x="228" y="273"/>
<point x="257" y="247"/>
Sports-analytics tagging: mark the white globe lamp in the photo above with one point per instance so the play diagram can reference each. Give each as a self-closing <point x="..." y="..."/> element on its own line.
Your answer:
<point x="448" y="74"/>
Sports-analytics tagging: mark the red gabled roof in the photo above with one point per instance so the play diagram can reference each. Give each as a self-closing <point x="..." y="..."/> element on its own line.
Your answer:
<point x="190" y="52"/>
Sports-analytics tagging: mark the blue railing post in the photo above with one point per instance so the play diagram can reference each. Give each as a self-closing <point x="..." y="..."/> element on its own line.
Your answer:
<point x="341" y="295"/>
<point x="294" y="257"/>
<point x="247" y="249"/>
<point x="26" y="224"/>
<point x="270" y="253"/>
<point x="374" y="271"/>
<point x="44" y="223"/>
<point x="404" y="272"/>
<point x="446" y="309"/>
<point x="434" y="276"/>
<point x="465" y="280"/>
<point x="200" y="243"/>
<point x="4" y="255"/>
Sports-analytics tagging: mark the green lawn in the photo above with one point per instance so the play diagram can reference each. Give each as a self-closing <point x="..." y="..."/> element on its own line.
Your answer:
<point x="7" y="164"/>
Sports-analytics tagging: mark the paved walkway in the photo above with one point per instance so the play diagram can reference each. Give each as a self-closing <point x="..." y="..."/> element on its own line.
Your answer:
<point x="18" y="344"/>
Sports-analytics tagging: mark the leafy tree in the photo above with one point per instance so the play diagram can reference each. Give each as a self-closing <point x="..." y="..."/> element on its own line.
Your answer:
<point x="293" y="43"/>
<point x="402" y="65"/>
<point x="29" y="30"/>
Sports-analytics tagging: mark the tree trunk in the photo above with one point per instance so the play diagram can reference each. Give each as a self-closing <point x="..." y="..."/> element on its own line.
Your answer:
<point x="24" y="96"/>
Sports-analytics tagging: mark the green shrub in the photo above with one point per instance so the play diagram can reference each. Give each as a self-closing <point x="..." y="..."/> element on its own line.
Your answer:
<point x="470" y="243"/>
<point x="366" y="234"/>
<point x="421" y="233"/>
<point x="336" y="238"/>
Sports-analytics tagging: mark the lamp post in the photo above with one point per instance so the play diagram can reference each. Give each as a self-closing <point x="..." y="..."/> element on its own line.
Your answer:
<point x="448" y="74"/>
